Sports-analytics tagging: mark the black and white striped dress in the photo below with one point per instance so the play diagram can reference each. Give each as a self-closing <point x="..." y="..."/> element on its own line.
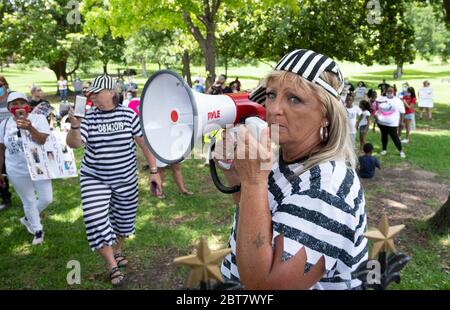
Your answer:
<point x="321" y="210"/>
<point x="108" y="174"/>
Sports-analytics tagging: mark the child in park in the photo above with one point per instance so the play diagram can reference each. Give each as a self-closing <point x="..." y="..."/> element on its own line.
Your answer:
<point x="368" y="163"/>
<point x="363" y="122"/>
<point x="352" y="114"/>
<point x="373" y="105"/>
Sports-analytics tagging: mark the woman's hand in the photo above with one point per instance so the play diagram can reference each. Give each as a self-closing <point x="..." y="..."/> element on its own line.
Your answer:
<point x="24" y="123"/>
<point x="74" y="121"/>
<point x="253" y="159"/>
<point x="224" y="153"/>
<point x="155" y="178"/>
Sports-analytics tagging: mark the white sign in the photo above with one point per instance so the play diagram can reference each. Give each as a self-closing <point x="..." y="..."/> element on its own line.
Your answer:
<point x="52" y="160"/>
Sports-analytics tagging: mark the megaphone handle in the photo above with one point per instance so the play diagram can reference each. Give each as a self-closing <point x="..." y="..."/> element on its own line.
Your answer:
<point x="212" y="168"/>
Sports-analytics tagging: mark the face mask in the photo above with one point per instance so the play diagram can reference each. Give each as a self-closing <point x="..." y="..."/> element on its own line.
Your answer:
<point x="408" y="94"/>
<point x="405" y="88"/>
<point x="129" y="97"/>
<point x="390" y="96"/>
<point x="26" y="108"/>
<point x="2" y="91"/>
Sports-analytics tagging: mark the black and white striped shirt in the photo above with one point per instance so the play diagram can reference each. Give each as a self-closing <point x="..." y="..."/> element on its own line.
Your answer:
<point x="321" y="210"/>
<point x="108" y="138"/>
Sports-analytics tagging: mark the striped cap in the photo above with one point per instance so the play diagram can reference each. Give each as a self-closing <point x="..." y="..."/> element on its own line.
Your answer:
<point x="309" y="65"/>
<point x="100" y="83"/>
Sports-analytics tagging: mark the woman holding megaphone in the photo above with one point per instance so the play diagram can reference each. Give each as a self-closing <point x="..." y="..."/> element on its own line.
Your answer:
<point x="300" y="224"/>
<point x="108" y="174"/>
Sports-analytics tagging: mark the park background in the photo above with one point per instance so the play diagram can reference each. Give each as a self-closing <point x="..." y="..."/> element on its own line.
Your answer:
<point x="407" y="39"/>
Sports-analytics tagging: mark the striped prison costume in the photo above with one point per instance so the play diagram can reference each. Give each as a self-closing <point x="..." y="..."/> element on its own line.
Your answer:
<point x="108" y="174"/>
<point x="321" y="210"/>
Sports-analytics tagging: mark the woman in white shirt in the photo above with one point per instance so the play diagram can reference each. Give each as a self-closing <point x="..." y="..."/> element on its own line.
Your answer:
<point x="62" y="88"/>
<point x="426" y="100"/>
<point x="12" y="129"/>
<point x="389" y="116"/>
<point x="363" y="122"/>
<point x="360" y="93"/>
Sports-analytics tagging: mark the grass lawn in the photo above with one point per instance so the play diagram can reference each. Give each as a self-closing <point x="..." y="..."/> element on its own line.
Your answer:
<point x="171" y="227"/>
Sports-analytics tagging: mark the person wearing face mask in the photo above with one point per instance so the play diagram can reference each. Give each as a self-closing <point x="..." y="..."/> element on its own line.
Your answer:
<point x="5" y="194"/>
<point x="35" y="195"/>
<point x="409" y="99"/>
<point x="389" y="117"/>
<point x="128" y="98"/>
<point x="404" y="90"/>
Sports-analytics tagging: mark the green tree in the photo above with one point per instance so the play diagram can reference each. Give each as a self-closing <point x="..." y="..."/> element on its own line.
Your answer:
<point x="109" y="49"/>
<point x="5" y="46"/>
<point x="150" y="46"/>
<point x="199" y="18"/>
<point x="48" y="31"/>
<point x="394" y="40"/>
<point x="339" y="29"/>
<point x="432" y="35"/>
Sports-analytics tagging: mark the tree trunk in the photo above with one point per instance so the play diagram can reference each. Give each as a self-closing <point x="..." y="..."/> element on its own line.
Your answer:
<point x="207" y="43"/>
<point x="59" y="68"/>
<point x="144" y="67"/>
<point x="210" y="59"/>
<point x="440" y="222"/>
<point x="1" y="66"/>
<point x="447" y="10"/>
<point x="105" y="68"/>
<point x="159" y="66"/>
<point x="226" y="64"/>
<point x="187" y="67"/>
<point x="399" y="71"/>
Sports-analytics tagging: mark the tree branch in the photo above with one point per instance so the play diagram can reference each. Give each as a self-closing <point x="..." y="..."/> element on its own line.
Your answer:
<point x="77" y="65"/>
<point x="207" y="8"/>
<point x="194" y="31"/>
<point x="216" y="6"/>
<point x="447" y="10"/>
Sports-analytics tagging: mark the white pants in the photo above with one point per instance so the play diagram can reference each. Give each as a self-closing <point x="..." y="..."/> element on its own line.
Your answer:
<point x="33" y="205"/>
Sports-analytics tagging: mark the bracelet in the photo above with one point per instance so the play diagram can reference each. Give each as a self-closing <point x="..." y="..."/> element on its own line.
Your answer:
<point x="74" y="128"/>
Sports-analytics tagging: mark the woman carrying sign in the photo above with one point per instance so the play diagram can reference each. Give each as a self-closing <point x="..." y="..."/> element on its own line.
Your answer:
<point x="13" y="155"/>
<point x="108" y="174"/>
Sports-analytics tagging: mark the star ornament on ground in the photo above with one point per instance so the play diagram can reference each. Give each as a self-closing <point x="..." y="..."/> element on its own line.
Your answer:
<point x="383" y="237"/>
<point x="203" y="264"/>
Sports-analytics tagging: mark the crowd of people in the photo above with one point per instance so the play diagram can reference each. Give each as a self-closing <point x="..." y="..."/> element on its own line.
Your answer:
<point x="306" y="212"/>
<point x="392" y="111"/>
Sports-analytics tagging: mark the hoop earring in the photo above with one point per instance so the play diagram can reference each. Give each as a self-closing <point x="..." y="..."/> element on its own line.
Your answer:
<point x="323" y="134"/>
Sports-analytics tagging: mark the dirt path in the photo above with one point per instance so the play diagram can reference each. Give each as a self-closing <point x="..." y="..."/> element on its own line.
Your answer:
<point x="406" y="195"/>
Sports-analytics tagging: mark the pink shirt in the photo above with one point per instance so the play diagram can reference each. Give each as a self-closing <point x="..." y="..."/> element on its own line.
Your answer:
<point x="134" y="105"/>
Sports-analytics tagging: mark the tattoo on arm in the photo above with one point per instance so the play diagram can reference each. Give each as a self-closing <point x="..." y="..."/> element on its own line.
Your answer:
<point x="259" y="241"/>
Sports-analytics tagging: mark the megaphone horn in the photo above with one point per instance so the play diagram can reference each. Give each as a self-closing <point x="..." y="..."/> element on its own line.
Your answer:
<point x="173" y="117"/>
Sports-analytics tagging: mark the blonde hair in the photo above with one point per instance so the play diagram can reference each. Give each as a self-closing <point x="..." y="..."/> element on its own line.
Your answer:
<point x="338" y="146"/>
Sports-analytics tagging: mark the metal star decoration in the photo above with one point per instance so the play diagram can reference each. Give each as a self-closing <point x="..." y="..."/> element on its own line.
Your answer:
<point x="203" y="264"/>
<point x="383" y="236"/>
